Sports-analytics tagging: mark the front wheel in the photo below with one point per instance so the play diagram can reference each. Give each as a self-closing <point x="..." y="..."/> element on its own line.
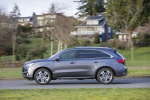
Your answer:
<point x="105" y="76"/>
<point x="42" y="76"/>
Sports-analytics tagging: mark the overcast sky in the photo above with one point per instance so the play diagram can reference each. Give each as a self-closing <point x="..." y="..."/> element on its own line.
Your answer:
<point x="27" y="7"/>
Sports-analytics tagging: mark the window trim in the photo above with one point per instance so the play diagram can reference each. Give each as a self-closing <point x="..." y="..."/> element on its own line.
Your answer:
<point x="110" y="56"/>
<point x="105" y="53"/>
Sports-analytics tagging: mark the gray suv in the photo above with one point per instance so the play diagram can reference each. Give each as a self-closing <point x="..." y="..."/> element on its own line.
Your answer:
<point x="100" y="63"/>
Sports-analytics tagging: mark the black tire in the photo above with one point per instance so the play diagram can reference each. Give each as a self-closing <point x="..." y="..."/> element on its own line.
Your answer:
<point x="42" y="76"/>
<point x="105" y="76"/>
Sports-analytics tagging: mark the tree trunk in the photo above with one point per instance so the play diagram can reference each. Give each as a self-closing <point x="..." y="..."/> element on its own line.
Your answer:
<point x="61" y="46"/>
<point x="51" y="46"/>
<point x="13" y="47"/>
<point x="130" y="44"/>
<point x="43" y="43"/>
<point x="58" y="48"/>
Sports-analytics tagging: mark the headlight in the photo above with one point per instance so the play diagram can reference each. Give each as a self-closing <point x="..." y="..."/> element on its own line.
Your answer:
<point x="28" y="65"/>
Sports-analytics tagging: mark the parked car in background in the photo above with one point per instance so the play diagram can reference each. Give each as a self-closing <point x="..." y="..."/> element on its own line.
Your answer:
<point x="100" y="63"/>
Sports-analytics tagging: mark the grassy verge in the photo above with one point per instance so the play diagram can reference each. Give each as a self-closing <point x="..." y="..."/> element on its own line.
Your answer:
<point x="10" y="73"/>
<point x="14" y="73"/>
<point x="141" y="57"/>
<point x="76" y="94"/>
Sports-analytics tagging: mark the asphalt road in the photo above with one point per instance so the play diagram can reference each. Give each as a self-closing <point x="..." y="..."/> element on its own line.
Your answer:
<point x="92" y="83"/>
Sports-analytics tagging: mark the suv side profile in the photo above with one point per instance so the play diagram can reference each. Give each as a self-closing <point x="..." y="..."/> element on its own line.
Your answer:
<point x="100" y="63"/>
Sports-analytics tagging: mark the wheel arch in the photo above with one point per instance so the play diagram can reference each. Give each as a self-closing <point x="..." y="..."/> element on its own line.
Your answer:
<point x="105" y="67"/>
<point x="41" y="68"/>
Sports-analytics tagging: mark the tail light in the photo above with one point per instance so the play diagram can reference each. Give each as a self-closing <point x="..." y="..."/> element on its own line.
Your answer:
<point x="121" y="61"/>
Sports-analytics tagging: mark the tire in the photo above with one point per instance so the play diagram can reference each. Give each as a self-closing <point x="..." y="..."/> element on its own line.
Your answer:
<point x="105" y="76"/>
<point x="42" y="76"/>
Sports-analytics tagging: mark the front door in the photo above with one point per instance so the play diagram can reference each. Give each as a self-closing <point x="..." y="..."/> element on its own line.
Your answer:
<point x="65" y="65"/>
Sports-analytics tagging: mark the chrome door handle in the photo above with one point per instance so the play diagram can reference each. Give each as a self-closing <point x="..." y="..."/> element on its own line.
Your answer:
<point x="96" y="62"/>
<point x="72" y="62"/>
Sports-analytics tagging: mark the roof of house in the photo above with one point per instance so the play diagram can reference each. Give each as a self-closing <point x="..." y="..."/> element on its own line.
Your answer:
<point x="23" y="17"/>
<point x="99" y="17"/>
<point x="101" y="23"/>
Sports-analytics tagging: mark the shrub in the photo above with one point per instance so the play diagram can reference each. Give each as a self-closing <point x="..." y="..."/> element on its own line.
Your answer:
<point x="96" y="38"/>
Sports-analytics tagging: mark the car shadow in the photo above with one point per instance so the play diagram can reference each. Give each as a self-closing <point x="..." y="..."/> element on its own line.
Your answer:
<point x="94" y="82"/>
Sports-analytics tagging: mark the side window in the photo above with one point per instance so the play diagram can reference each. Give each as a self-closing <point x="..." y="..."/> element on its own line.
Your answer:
<point x="103" y="55"/>
<point x="67" y="55"/>
<point x="86" y="54"/>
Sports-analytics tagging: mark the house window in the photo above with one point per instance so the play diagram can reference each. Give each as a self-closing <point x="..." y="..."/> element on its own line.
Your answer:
<point x="40" y="22"/>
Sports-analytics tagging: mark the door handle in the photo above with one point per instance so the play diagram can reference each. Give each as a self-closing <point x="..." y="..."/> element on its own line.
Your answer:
<point x="72" y="62"/>
<point x="96" y="62"/>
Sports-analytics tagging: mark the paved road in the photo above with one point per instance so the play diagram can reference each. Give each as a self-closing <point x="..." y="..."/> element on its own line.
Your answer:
<point x="117" y="83"/>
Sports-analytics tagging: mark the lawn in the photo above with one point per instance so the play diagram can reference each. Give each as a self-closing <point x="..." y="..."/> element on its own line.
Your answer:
<point x="141" y="57"/>
<point x="76" y="94"/>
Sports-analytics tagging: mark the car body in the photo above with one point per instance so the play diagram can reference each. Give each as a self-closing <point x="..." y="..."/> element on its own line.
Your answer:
<point x="100" y="63"/>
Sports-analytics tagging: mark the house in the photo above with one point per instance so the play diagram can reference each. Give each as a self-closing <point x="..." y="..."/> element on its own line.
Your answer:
<point x="92" y="25"/>
<point x="24" y="21"/>
<point x="44" y="21"/>
<point x="31" y="21"/>
<point x="123" y="36"/>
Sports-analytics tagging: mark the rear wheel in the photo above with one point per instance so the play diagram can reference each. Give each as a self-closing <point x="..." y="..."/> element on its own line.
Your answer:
<point x="42" y="76"/>
<point x="105" y="76"/>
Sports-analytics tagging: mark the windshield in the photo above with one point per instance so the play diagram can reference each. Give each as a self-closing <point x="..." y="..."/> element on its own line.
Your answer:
<point x="55" y="54"/>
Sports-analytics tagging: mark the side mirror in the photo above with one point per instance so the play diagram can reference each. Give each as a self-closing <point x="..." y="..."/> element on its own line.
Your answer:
<point x="57" y="59"/>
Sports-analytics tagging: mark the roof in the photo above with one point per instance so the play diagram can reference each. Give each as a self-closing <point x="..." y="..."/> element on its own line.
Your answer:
<point x="23" y="17"/>
<point x="99" y="17"/>
<point x="101" y="24"/>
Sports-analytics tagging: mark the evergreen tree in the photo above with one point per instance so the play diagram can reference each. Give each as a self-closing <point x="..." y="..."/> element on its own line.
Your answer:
<point x="15" y="13"/>
<point x="90" y="7"/>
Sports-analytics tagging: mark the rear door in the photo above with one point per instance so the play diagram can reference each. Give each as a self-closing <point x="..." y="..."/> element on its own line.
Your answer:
<point x="86" y="62"/>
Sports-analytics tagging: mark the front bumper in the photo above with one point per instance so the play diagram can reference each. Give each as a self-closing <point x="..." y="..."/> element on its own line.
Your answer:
<point x="26" y="75"/>
<point x="26" y="72"/>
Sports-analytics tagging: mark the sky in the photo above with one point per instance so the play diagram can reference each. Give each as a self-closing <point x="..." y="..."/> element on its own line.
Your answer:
<point x="27" y="7"/>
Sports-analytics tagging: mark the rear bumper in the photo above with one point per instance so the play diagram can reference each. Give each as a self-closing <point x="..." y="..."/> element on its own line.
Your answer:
<point x="123" y="72"/>
<point x="126" y="71"/>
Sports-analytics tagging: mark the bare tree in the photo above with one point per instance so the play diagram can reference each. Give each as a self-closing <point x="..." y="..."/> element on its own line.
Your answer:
<point x="126" y="16"/>
<point x="14" y="14"/>
<point x="143" y="30"/>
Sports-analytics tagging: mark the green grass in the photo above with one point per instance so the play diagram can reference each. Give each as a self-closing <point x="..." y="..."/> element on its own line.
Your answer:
<point x="76" y="94"/>
<point x="141" y="71"/>
<point x="141" y="57"/>
<point x="10" y="73"/>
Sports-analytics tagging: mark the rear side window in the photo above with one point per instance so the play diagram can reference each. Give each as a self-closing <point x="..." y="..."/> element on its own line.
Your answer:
<point x="86" y="54"/>
<point x="103" y="55"/>
<point x="119" y="54"/>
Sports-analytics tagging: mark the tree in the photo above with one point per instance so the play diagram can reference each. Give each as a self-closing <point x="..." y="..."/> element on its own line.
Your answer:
<point x="5" y="34"/>
<point x="125" y="15"/>
<point x="143" y="33"/>
<point x="59" y="28"/>
<point x="14" y="14"/>
<point x="90" y="7"/>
